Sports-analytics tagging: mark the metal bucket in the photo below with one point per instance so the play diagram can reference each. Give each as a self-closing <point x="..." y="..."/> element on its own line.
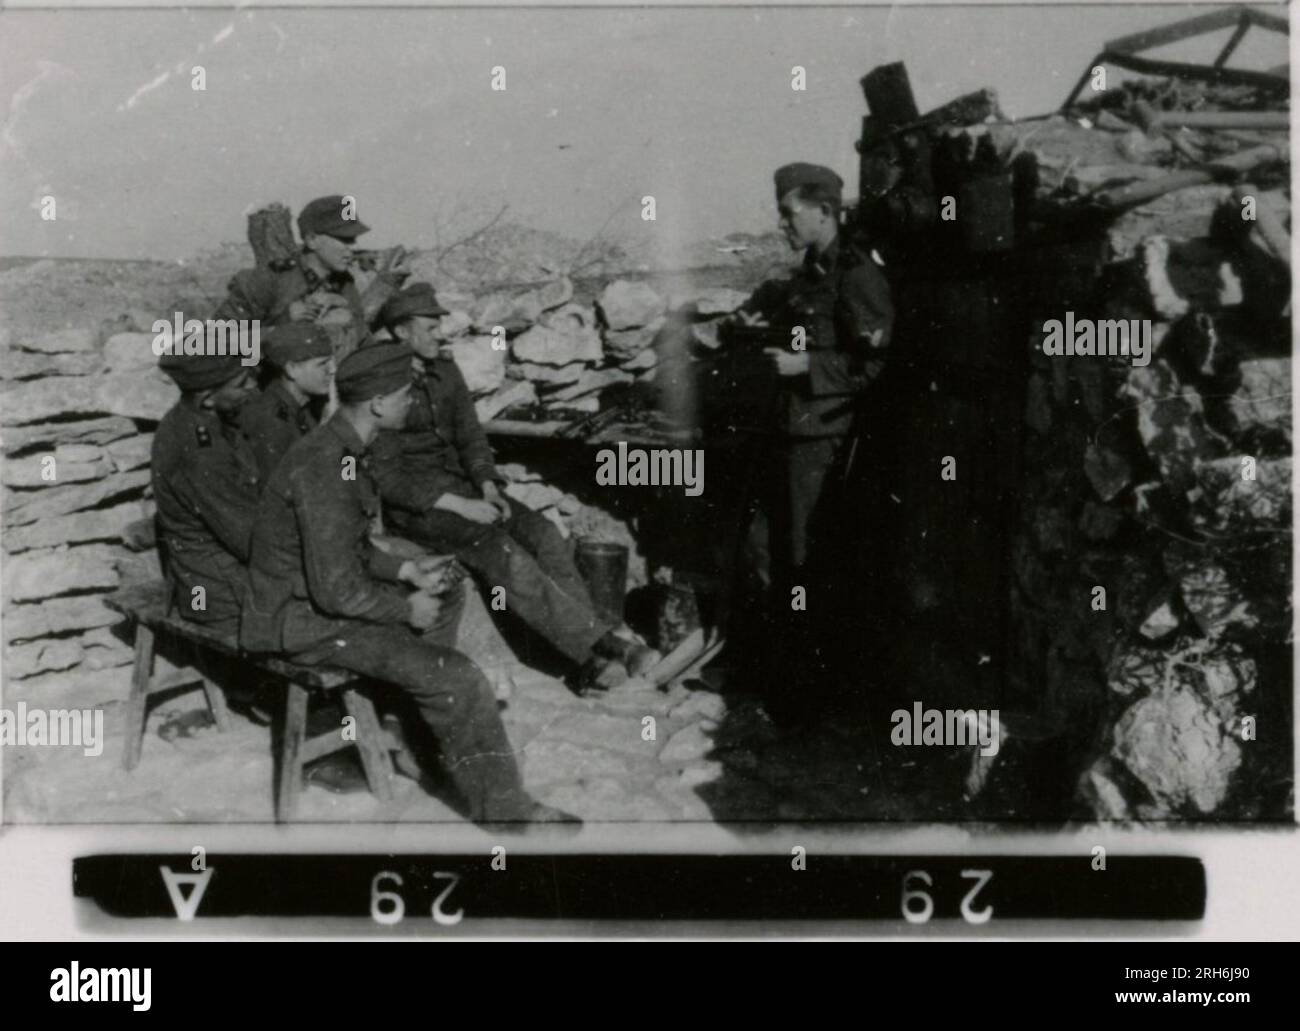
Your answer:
<point x="603" y="565"/>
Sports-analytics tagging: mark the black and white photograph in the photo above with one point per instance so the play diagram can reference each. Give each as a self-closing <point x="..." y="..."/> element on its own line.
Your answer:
<point x="729" y="430"/>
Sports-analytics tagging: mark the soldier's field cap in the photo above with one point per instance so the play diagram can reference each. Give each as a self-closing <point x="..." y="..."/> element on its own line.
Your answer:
<point x="296" y="342"/>
<point x="201" y="371"/>
<point x="416" y="299"/>
<point x="374" y="370"/>
<point x="324" y="216"/>
<point x="790" y="177"/>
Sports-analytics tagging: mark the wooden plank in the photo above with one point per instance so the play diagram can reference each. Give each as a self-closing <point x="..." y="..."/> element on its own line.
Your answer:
<point x="1141" y="192"/>
<point x="1268" y="120"/>
<point x="1172" y="33"/>
<point x="291" y="753"/>
<point x="147" y="604"/>
<point x="375" y="759"/>
<point x="321" y="745"/>
<point x="135" y="704"/>
<point x="217" y="703"/>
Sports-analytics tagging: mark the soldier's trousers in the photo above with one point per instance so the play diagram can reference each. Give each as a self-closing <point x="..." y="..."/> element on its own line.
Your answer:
<point x="527" y="556"/>
<point x="455" y="700"/>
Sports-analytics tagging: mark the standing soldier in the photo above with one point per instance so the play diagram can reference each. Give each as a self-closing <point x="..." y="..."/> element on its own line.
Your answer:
<point x="205" y="485"/>
<point x="834" y="318"/>
<point x="441" y="489"/>
<point x="319" y="285"/>
<point x="301" y="361"/>
<point x="321" y="592"/>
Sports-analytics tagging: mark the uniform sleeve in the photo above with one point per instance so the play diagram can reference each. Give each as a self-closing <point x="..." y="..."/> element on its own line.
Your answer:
<point x="268" y="437"/>
<point x="333" y="527"/>
<point x="471" y="442"/>
<point x="225" y="507"/>
<point x="864" y="321"/>
<point x="251" y="294"/>
<point x="412" y="493"/>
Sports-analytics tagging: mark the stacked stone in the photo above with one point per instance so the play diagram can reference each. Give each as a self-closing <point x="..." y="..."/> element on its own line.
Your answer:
<point x="78" y="408"/>
<point x="538" y="348"/>
<point x="1152" y="567"/>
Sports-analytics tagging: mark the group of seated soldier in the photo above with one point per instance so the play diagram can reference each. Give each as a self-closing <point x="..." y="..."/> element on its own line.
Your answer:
<point x="267" y="516"/>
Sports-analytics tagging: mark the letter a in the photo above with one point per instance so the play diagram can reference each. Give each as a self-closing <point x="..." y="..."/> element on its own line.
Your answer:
<point x="606" y="468"/>
<point x="948" y="209"/>
<point x="349" y="467"/>
<point x="498" y="599"/>
<point x="647" y="728"/>
<point x="199" y="599"/>
<point x="647" y="209"/>
<point x="47" y="208"/>
<point x="949" y="471"/>
<point x="49" y="468"/>
<point x="798" y="599"/>
<point x="1248" y="728"/>
<point x="349" y="731"/>
<point x="499" y="78"/>
<point x="1098" y="858"/>
<point x="800" y="860"/>
<point x="1248" y="208"/>
<point x="498" y="338"/>
<point x="1053" y="338"/>
<point x="199" y="862"/>
<point x="498" y="857"/>
<point x="199" y="79"/>
<point x="1247" y="468"/>
<point x="798" y="78"/>
<point x="1099" y="78"/>
<point x="1099" y="599"/>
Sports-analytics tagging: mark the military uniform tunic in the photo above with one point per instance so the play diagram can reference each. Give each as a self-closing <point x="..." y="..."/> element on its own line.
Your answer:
<point x="272" y="422"/>
<point x="205" y="484"/>
<point x="320" y="592"/>
<point x="842" y="302"/>
<point x="443" y="450"/>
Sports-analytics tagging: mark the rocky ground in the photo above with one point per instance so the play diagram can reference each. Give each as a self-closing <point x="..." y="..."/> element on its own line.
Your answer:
<point x="715" y="757"/>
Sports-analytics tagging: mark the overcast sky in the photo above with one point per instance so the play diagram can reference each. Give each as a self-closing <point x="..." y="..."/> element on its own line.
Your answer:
<point x="693" y="106"/>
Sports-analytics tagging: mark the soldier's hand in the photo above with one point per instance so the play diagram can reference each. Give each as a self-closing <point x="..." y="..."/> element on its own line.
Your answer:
<point x="424" y="610"/>
<point x="476" y="511"/>
<point x="434" y="574"/>
<point x="788" y="363"/>
<point x="492" y="494"/>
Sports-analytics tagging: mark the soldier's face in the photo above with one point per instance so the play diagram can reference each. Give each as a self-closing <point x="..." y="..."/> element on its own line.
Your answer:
<point x="390" y="409"/>
<point x="421" y="332"/>
<point x="802" y="222"/>
<point x="227" y="398"/>
<point x="311" y="375"/>
<point x="334" y="253"/>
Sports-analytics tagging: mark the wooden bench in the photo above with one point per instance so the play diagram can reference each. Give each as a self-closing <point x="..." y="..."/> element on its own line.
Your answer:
<point x="148" y="606"/>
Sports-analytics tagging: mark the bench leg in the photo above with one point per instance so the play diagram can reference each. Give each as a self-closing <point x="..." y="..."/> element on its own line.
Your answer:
<point x="375" y="759"/>
<point x="138" y="702"/>
<point x="295" y="732"/>
<point x="217" y="703"/>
